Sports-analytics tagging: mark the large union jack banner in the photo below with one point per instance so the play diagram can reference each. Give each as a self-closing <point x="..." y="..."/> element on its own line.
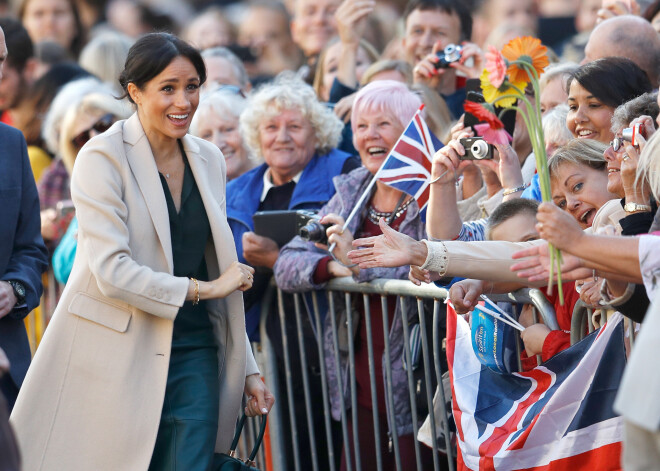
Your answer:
<point x="557" y="416"/>
<point x="408" y="166"/>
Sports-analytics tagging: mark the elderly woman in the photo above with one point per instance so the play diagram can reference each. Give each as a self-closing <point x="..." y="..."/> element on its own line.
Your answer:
<point x="216" y="121"/>
<point x="380" y="114"/>
<point x="286" y="126"/>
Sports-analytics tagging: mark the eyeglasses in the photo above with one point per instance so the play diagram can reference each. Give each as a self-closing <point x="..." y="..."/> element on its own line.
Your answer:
<point x="100" y="126"/>
<point x="616" y="144"/>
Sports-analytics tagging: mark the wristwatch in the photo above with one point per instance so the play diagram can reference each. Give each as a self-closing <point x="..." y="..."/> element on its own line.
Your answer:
<point x="635" y="208"/>
<point x="19" y="291"/>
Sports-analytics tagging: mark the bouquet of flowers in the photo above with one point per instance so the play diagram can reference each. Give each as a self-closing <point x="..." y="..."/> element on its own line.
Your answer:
<point x="504" y="81"/>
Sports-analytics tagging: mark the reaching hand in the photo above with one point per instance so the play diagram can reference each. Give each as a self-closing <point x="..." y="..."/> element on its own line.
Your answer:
<point x="536" y="266"/>
<point x="351" y="16"/>
<point x="464" y="295"/>
<point x="391" y="249"/>
<point x="260" y="399"/>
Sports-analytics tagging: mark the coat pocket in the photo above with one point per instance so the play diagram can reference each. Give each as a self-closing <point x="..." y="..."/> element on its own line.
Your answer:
<point x="101" y="312"/>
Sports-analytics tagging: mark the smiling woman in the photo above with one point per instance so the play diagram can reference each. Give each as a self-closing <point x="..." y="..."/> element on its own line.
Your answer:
<point x="135" y="351"/>
<point x="380" y="113"/>
<point x="596" y="89"/>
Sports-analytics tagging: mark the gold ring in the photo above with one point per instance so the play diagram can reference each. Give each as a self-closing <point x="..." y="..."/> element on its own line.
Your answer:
<point x="626" y="156"/>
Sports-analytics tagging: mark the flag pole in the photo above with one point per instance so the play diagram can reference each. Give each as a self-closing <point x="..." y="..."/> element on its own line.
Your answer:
<point x="374" y="179"/>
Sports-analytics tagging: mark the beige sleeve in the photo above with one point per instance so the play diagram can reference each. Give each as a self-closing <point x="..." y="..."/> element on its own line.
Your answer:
<point x="482" y="260"/>
<point x="250" y="363"/>
<point x="96" y="189"/>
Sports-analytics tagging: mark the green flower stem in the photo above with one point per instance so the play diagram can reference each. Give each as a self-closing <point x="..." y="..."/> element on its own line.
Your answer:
<point x="533" y="121"/>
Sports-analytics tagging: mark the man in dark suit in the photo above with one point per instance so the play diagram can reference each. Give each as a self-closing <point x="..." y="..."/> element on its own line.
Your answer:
<point x="23" y="256"/>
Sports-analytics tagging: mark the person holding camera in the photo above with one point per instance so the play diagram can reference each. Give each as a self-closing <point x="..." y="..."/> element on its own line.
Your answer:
<point x="434" y="45"/>
<point x="380" y="114"/>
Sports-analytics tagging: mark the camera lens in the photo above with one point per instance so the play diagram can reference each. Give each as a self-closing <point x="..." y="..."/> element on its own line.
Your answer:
<point x="312" y="232"/>
<point x="479" y="149"/>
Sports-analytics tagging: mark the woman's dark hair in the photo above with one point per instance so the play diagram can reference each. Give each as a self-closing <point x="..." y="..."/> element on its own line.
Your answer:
<point x="79" y="39"/>
<point x="151" y="54"/>
<point x="612" y="80"/>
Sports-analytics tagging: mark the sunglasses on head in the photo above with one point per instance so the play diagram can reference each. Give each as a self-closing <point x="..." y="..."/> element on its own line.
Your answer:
<point x="100" y="126"/>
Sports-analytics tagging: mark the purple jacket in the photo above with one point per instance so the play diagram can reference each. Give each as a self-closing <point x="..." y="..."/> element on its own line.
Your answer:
<point x="294" y="272"/>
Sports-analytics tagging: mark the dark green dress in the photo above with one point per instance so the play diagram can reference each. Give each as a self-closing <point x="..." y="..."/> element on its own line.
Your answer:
<point x="189" y="420"/>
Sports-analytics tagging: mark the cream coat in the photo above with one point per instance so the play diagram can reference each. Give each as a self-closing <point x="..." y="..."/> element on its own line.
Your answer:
<point x="93" y="396"/>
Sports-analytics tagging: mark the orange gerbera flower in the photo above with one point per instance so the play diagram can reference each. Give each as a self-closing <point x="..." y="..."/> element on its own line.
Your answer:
<point x="525" y="49"/>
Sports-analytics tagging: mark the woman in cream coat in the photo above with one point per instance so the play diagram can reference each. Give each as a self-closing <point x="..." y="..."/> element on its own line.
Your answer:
<point x="94" y="394"/>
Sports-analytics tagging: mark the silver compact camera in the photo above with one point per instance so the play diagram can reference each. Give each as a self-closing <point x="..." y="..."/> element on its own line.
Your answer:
<point x="630" y="134"/>
<point x="476" y="149"/>
<point x="451" y="53"/>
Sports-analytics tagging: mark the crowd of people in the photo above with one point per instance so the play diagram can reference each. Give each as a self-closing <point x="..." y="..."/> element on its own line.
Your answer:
<point x="149" y="137"/>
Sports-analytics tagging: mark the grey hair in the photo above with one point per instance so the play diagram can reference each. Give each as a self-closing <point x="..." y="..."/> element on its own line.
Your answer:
<point x="229" y="56"/>
<point x="105" y="56"/>
<point x="646" y="104"/>
<point x="648" y="166"/>
<point x="554" y="125"/>
<point x="562" y="70"/>
<point x="222" y="102"/>
<point x="69" y="95"/>
<point x="288" y="92"/>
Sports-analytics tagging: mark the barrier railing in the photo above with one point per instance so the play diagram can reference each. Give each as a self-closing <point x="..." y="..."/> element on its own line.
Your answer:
<point x="292" y="422"/>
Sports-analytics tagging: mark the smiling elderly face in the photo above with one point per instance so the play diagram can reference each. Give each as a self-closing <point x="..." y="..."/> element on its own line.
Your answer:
<point x="287" y="143"/>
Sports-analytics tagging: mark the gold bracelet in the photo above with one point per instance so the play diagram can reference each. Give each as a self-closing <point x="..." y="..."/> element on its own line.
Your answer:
<point x="196" y="300"/>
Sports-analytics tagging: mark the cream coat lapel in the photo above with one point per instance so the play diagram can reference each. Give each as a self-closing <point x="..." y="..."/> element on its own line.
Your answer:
<point x="142" y="163"/>
<point x="219" y="227"/>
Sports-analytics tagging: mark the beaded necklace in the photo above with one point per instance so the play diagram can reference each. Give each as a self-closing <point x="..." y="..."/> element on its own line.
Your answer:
<point x="374" y="216"/>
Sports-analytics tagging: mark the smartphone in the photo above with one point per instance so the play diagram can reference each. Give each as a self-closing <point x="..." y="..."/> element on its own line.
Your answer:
<point x="475" y="94"/>
<point x="64" y="208"/>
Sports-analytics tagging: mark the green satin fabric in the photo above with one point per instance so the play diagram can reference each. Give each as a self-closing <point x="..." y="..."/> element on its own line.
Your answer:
<point x="189" y="420"/>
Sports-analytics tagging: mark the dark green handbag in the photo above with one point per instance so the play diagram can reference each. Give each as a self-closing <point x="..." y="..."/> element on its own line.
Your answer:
<point x="229" y="462"/>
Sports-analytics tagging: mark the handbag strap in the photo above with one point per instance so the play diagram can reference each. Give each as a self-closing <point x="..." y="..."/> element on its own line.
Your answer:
<point x="237" y="436"/>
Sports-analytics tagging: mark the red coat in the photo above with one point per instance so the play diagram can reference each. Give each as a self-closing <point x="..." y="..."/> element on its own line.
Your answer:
<point x="557" y="340"/>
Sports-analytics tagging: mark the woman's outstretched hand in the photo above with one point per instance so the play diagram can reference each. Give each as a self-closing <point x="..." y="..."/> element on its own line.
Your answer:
<point x="536" y="265"/>
<point x="391" y="249"/>
<point x="260" y="399"/>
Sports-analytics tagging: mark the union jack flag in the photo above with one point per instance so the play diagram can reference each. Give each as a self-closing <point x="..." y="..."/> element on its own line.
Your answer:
<point x="408" y="166"/>
<point x="557" y="416"/>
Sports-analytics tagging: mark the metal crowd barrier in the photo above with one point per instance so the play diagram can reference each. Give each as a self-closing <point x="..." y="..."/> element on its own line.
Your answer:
<point x="431" y="340"/>
<point x="582" y="323"/>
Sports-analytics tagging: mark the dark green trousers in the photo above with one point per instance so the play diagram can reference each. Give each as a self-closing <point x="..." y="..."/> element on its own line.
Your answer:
<point x="189" y="421"/>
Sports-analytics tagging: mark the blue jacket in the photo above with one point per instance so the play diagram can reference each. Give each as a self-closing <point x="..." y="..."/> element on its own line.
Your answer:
<point x="312" y="191"/>
<point x="23" y="256"/>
